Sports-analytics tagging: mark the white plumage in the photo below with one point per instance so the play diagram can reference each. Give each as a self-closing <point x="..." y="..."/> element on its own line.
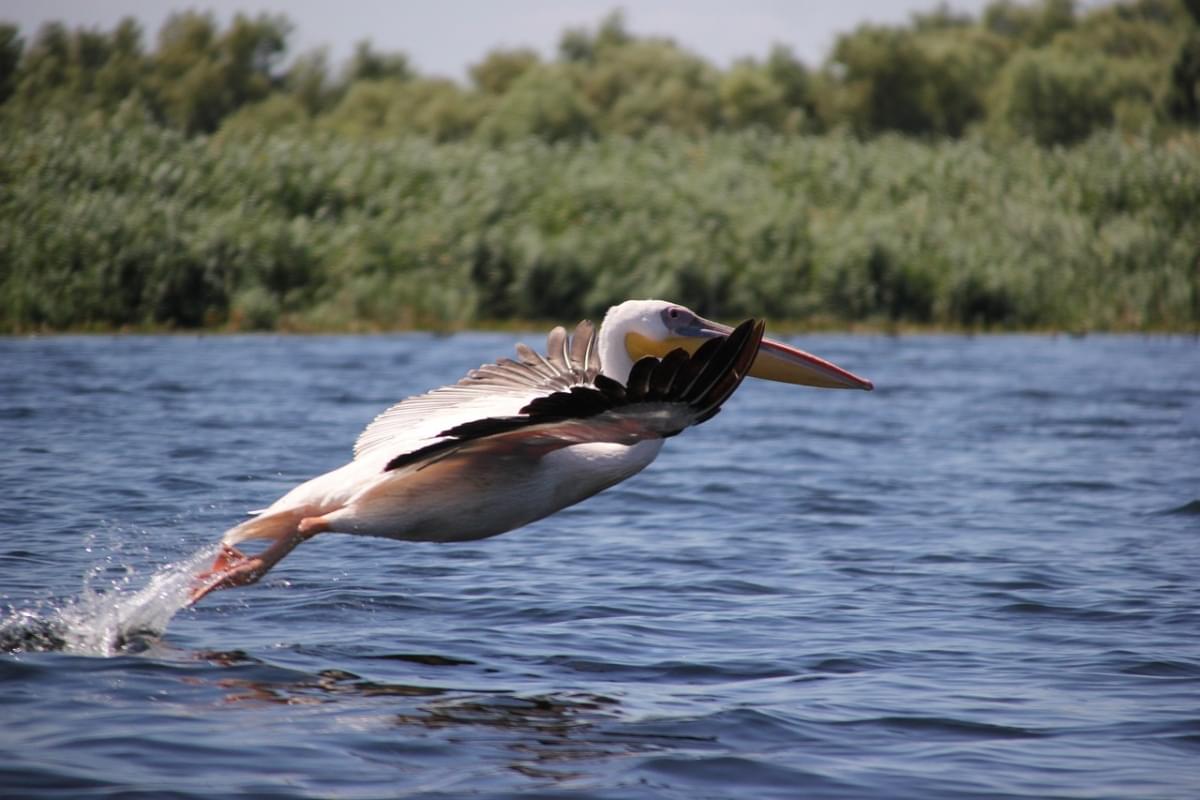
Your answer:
<point x="516" y="440"/>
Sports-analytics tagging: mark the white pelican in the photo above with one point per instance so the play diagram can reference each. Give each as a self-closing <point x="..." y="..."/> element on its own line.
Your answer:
<point x="515" y="441"/>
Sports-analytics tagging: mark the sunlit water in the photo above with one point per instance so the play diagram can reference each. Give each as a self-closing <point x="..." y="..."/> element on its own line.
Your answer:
<point x="978" y="581"/>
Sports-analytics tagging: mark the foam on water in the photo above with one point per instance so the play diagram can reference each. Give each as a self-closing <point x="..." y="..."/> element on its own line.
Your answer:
<point x="110" y="622"/>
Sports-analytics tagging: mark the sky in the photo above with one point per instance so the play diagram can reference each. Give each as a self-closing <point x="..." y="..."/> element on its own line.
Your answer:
<point x="445" y="37"/>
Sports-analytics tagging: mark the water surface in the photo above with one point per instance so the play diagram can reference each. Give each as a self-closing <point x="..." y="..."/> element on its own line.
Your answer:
<point x="977" y="581"/>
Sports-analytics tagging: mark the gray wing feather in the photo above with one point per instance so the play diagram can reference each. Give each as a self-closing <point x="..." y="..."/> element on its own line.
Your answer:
<point x="498" y="389"/>
<point x="582" y="356"/>
<point x="556" y="350"/>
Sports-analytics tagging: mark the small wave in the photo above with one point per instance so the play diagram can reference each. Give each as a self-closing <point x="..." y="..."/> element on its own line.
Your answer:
<point x="108" y="623"/>
<point x="740" y="588"/>
<point x="274" y="684"/>
<point x="168" y="387"/>
<point x="842" y="666"/>
<point x="1163" y="669"/>
<point x="428" y="659"/>
<point x="1012" y="585"/>
<point x="1032" y="394"/>
<point x="190" y="452"/>
<point x="947" y="726"/>
<point x="751" y="776"/>
<point x="1187" y="508"/>
<point x="1033" y="607"/>
<point x="673" y="670"/>
<point x="1074" y="486"/>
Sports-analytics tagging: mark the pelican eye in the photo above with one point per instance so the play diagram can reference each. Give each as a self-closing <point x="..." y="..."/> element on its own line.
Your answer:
<point x="674" y="315"/>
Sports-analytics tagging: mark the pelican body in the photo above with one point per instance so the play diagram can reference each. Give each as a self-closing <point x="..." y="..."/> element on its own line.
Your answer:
<point x="518" y="440"/>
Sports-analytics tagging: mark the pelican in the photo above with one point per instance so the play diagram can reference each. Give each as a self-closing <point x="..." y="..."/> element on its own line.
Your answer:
<point x="518" y="440"/>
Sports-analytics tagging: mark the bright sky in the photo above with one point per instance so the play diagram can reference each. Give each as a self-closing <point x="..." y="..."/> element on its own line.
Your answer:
<point x="445" y="37"/>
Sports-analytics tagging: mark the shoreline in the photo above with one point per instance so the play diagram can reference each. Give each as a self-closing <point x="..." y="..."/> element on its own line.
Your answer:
<point x="782" y="327"/>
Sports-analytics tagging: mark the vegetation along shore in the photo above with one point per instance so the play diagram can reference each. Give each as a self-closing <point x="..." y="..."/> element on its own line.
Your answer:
<point x="1034" y="168"/>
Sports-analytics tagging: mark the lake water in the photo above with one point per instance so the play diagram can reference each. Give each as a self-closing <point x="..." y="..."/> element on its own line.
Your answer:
<point x="981" y="580"/>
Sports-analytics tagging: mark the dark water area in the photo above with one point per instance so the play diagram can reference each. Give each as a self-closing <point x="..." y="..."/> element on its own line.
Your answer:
<point x="981" y="580"/>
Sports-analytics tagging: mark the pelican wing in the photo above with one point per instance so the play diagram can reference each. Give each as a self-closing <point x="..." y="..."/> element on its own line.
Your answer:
<point x="662" y="397"/>
<point x="498" y="389"/>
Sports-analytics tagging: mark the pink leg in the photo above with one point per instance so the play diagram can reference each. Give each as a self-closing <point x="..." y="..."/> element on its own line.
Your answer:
<point x="234" y="568"/>
<point x="227" y="559"/>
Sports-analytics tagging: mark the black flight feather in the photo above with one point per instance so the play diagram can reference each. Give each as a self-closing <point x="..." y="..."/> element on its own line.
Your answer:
<point x="664" y="375"/>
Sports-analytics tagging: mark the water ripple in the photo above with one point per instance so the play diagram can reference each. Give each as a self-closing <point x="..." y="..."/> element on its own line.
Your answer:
<point x="966" y="584"/>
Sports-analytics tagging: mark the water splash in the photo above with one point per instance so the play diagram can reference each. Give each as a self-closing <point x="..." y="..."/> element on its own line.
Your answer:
<point x="111" y="622"/>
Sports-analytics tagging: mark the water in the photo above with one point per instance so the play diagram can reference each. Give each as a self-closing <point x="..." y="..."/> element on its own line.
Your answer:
<point x="978" y="581"/>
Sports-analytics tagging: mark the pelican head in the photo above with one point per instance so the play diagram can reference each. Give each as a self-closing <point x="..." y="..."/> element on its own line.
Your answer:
<point x="638" y="328"/>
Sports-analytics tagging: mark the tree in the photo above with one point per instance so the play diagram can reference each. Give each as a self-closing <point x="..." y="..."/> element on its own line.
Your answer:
<point x="1183" y="92"/>
<point x="749" y="98"/>
<point x="433" y="107"/>
<point x="308" y="82"/>
<point x="962" y="66"/>
<point x="941" y="17"/>
<point x="1034" y="25"/>
<point x="650" y="83"/>
<point x="544" y="102"/>
<point x="501" y="68"/>
<point x="578" y="45"/>
<point x="123" y="73"/>
<point x="796" y="86"/>
<point x="882" y="73"/>
<point x="932" y="81"/>
<point x="46" y="65"/>
<point x="1052" y="97"/>
<point x="11" y="46"/>
<point x="367" y="64"/>
<point x="202" y="75"/>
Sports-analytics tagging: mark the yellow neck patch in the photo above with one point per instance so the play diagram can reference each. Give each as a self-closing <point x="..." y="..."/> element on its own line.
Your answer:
<point x="639" y="346"/>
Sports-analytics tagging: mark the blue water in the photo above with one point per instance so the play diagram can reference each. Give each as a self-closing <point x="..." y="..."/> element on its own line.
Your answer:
<point x="981" y="580"/>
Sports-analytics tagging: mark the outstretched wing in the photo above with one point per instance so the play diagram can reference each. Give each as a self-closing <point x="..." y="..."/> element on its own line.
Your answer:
<point x="499" y="389"/>
<point x="661" y="398"/>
